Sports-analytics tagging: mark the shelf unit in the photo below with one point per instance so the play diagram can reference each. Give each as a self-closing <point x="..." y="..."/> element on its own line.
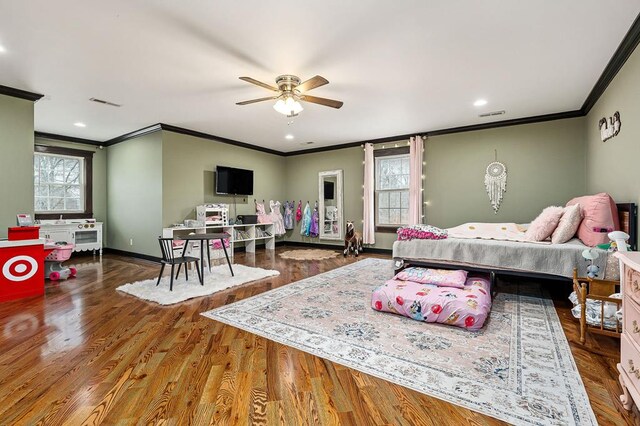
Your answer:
<point x="249" y="243"/>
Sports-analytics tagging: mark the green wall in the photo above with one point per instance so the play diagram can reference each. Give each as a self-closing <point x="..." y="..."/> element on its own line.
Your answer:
<point x="16" y="161"/>
<point x="134" y="194"/>
<point x="188" y="165"/>
<point x="613" y="166"/>
<point x="302" y="184"/>
<point x="545" y="164"/>
<point x="99" y="175"/>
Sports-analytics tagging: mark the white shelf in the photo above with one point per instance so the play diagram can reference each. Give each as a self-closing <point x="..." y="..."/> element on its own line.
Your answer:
<point x="249" y="228"/>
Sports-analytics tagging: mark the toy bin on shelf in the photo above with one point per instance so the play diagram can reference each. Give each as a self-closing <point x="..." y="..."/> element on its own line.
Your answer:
<point x="21" y="269"/>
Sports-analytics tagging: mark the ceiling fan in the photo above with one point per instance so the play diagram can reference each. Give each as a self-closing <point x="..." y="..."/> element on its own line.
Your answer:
<point x="290" y="92"/>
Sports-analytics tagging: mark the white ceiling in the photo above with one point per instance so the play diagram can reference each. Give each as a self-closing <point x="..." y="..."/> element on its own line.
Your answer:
<point x="400" y="67"/>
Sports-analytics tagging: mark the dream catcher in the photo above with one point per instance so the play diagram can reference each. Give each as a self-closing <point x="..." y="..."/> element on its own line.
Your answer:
<point x="495" y="182"/>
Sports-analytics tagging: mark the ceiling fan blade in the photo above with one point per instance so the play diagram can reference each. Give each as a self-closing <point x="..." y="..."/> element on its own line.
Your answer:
<point x="253" y="101"/>
<point x="322" y="101"/>
<point x="312" y="83"/>
<point x="258" y="83"/>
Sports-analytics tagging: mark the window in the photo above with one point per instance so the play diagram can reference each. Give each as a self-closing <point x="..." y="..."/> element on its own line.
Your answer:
<point x="62" y="182"/>
<point x="392" y="188"/>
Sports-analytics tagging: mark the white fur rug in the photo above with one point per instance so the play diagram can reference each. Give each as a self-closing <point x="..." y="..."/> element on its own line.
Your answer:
<point x="219" y="279"/>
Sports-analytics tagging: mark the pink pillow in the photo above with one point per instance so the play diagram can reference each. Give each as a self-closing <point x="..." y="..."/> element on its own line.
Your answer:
<point x="543" y="226"/>
<point x="439" y="277"/>
<point x="600" y="217"/>
<point x="568" y="224"/>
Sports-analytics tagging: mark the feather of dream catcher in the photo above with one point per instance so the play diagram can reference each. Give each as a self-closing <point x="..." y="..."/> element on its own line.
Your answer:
<point x="495" y="182"/>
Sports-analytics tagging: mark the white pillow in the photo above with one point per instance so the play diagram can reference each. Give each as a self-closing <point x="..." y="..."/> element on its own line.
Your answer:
<point x="568" y="225"/>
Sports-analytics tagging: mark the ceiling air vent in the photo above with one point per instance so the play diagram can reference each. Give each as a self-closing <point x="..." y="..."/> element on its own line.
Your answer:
<point x="100" y="101"/>
<point x="491" y="114"/>
<point x="306" y="143"/>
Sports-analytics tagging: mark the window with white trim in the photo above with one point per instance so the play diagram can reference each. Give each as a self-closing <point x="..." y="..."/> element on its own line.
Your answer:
<point x="59" y="183"/>
<point x="392" y="190"/>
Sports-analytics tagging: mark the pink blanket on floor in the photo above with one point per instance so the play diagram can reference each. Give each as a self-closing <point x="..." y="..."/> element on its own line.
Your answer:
<point x="466" y="307"/>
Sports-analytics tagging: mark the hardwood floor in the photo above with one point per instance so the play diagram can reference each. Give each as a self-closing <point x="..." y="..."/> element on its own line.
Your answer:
<point x="86" y="354"/>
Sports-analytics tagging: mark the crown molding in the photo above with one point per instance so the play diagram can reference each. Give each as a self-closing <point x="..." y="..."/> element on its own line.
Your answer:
<point x="194" y="133"/>
<point x="56" y="137"/>
<point x="617" y="61"/>
<point x="181" y="130"/>
<point x="19" y="93"/>
<point x="135" y="134"/>
<point x="451" y="130"/>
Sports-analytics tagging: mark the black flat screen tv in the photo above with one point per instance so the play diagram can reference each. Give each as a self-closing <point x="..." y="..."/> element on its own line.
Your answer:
<point x="234" y="181"/>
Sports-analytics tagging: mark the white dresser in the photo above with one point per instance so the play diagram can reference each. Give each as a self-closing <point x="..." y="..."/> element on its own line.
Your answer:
<point x="85" y="236"/>
<point x="629" y="366"/>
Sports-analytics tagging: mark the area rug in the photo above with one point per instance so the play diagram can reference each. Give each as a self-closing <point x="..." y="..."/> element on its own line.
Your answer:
<point x="218" y="279"/>
<point x="518" y="368"/>
<point x="313" y="254"/>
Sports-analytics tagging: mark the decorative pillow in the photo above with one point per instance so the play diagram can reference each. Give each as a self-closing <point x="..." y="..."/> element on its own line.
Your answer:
<point x="568" y="224"/>
<point x="439" y="277"/>
<point x="543" y="226"/>
<point x="600" y="217"/>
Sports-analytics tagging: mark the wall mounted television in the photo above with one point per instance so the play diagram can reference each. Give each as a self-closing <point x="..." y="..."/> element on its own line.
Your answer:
<point x="234" y="181"/>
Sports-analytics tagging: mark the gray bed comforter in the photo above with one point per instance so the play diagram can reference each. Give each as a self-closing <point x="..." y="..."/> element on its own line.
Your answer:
<point x="552" y="259"/>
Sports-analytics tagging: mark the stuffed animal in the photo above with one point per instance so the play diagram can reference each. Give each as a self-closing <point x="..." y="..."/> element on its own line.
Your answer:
<point x="592" y="271"/>
<point x="352" y="240"/>
<point x="590" y="255"/>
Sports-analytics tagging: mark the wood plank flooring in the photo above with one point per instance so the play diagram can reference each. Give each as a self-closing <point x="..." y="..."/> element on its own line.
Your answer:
<point x="85" y="354"/>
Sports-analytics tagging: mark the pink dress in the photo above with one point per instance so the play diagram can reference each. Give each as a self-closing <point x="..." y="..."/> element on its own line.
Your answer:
<point x="263" y="217"/>
<point x="276" y="218"/>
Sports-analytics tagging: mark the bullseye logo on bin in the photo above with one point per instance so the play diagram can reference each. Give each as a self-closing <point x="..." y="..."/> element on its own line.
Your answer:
<point x="20" y="268"/>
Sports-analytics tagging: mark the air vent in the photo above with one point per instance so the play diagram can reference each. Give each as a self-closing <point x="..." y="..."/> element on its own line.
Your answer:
<point x="491" y="114"/>
<point x="306" y="143"/>
<point x="100" y="101"/>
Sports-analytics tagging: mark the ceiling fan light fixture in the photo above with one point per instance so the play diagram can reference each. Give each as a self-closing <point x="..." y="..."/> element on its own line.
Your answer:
<point x="288" y="106"/>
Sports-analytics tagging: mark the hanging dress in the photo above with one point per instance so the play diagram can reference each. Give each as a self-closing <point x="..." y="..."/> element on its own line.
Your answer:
<point x="276" y="218"/>
<point x="306" y="221"/>
<point x="288" y="214"/>
<point x="299" y="212"/>
<point x="314" y="229"/>
<point x="263" y="217"/>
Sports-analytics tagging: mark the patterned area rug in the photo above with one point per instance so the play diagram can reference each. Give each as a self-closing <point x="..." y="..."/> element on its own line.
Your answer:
<point x="313" y="254"/>
<point x="518" y="368"/>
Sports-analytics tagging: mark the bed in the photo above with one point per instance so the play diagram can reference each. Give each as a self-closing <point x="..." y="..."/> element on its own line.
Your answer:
<point x="535" y="260"/>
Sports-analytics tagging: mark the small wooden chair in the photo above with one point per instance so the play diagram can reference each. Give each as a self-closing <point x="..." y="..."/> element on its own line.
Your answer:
<point x="595" y="289"/>
<point x="169" y="258"/>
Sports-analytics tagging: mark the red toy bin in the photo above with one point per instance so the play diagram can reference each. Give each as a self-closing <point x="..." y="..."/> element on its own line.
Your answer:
<point x="21" y="271"/>
<point x="24" y="233"/>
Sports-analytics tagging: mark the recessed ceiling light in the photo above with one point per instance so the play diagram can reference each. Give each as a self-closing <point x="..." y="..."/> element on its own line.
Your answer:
<point x="290" y="137"/>
<point x="79" y="124"/>
<point x="480" y="102"/>
<point x="2" y="49"/>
